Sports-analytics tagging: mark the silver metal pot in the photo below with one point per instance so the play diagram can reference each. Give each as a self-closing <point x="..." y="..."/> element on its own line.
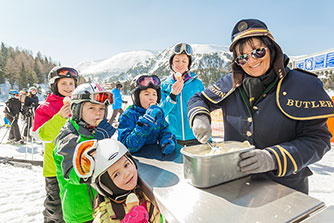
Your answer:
<point x="204" y="169"/>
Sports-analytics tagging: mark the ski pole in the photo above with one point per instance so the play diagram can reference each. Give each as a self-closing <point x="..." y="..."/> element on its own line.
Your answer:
<point x="4" y="135"/>
<point x="14" y="119"/>
<point x="32" y="139"/>
<point x="22" y="128"/>
<point x="27" y="140"/>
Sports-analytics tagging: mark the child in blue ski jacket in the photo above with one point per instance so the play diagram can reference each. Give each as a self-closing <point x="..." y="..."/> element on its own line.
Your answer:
<point x="144" y="123"/>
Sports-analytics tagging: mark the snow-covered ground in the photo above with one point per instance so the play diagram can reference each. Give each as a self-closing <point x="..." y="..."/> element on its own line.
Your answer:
<point x="22" y="190"/>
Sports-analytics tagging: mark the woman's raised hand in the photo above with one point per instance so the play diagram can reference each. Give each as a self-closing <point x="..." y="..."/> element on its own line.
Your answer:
<point x="177" y="87"/>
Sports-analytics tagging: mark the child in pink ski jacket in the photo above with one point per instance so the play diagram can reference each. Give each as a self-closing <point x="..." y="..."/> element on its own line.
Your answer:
<point x="50" y="117"/>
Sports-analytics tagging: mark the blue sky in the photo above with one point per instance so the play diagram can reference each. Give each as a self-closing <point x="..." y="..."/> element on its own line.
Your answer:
<point x="74" y="31"/>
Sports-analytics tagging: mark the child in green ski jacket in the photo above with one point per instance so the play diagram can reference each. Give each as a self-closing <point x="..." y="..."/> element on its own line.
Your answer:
<point x="89" y="111"/>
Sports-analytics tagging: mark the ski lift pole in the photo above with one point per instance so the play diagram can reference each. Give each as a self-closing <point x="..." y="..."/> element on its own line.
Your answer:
<point x="27" y="140"/>
<point x="22" y="129"/>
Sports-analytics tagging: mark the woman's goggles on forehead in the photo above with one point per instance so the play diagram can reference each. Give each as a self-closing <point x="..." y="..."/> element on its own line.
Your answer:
<point x="69" y="72"/>
<point x="257" y="54"/>
<point x="183" y="47"/>
<point x="146" y="80"/>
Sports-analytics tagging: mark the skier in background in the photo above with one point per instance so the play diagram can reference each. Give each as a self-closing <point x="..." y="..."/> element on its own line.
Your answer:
<point x="6" y="122"/>
<point x="12" y="110"/>
<point x="118" y="101"/>
<point x="23" y="95"/>
<point x="30" y="104"/>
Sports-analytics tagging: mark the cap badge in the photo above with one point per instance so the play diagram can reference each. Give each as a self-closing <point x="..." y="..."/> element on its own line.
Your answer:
<point x="242" y="26"/>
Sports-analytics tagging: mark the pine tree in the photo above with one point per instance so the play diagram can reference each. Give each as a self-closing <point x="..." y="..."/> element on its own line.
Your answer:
<point x="22" y="81"/>
<point x="3" y="60"/>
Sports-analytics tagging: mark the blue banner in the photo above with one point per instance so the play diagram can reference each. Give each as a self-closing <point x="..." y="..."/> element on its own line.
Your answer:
<point x="330" y="59"/>
<point x="309" y="64"/>
<point x="319" y="62"/>
<point x="300" y="64"/>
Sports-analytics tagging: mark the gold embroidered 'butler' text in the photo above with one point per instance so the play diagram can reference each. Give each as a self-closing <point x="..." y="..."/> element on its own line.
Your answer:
<point x="309" y="104"/>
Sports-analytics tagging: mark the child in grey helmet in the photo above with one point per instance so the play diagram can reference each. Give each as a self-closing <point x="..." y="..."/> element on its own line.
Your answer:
<point x="111" y="170"/>
<point x="89" y="111"/>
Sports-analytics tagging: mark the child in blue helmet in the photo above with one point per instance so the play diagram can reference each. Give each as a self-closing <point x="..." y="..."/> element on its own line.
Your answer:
<point x="144" y="123"/>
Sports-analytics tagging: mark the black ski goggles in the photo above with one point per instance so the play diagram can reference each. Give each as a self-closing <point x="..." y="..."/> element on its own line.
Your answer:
<point x="257" y="54"/>
<point x="183" y="47"/>
<point x="144" y="81"/>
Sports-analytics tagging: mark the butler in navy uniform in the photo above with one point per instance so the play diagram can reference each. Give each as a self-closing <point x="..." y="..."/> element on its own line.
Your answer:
<point x="282" y="112"/>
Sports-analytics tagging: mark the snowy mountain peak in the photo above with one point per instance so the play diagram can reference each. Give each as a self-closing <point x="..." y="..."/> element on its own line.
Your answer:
<point x="128" y="64"/>
<point x="116" y="64"/>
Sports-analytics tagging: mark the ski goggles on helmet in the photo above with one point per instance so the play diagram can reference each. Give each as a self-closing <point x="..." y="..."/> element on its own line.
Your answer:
<point x="183" y="47"/>
<point x="83" y="159"/>
<point x="145" y="80"/>
<point x="98" y="97"/>
<point x="257" y="54"/>
<point x="67" y="72"/>
<point x="16" y="93"/>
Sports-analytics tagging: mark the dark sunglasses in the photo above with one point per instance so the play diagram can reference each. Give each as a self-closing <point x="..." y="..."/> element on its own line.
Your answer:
<point x="144" y="81"/>
<point x="257" y="53"/>
<point x="69" y="72"/>
<point x="183" y="47"/>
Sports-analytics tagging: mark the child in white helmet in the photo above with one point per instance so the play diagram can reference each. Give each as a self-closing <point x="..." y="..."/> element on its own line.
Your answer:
<point x="89" y="112"/>
<point x="111" y="170"/>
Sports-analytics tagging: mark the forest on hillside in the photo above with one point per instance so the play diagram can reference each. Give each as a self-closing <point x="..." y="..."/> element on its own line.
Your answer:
<point x="21" y="67"/>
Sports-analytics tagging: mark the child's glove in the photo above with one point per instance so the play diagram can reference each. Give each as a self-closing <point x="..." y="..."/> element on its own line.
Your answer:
<point x="168" y="147"/>
<point x="154" y="111"/>
<point x="104" y="130"/>
<point x="137" y="214"/>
